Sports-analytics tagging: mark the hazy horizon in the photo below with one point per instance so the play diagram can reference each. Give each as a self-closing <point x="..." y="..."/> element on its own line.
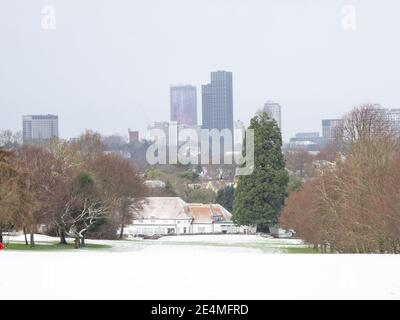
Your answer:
<point x="108" y="65"/>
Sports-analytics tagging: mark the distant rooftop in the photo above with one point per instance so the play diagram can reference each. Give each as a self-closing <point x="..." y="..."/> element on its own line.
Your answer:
<point x="38" y="116"/>
<point x="175" y="208"/>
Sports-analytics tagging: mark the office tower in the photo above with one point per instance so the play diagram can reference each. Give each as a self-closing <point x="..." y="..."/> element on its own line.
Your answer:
<point x="184" y="105"/>
<point x="330" y="129"/>
<point x="394" y="118"/>
<point x="217" y="102"/>
<point x="273" y="110"/>
<point x="39" y="128"/>
<point x="239" y="134"/>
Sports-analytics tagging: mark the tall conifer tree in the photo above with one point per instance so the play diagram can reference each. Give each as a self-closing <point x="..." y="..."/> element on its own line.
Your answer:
<point x="259" y="197"/>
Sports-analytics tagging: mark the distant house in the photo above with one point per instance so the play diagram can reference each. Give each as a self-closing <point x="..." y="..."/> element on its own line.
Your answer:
<point x="161" y="215"/>
<point x="154" y="184"/>
<point x="323" y="165"/>
<point x="172" y="215"/>
<point x="211" y="218"/>
<point x="194" y="186"/>
<point x="216" y="185"/>
<point x="213" y="185"/>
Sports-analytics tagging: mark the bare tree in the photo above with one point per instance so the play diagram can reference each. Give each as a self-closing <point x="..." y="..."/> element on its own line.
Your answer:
<point x="70" y="164"/>
<point x="80" y="222"/>
<point x="89" y="145"/>
<point x="8" y="182"/>
<point x="45" y="178"/>
<point x="353" y="205"/>
<point x="120" y="186"/>
<point x="10" y="140"/>
<point x="17" y="202"/>
<point x="366" y="125"/>
<point x="299" y="162"/>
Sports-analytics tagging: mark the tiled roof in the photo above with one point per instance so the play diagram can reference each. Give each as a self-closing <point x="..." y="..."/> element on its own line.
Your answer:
<point x="200" y="213"/>
<point x="164" y="208"/>
<point x="208" y="213"/>
<point x="176" y="208"/>
<point x="221" y="211"/>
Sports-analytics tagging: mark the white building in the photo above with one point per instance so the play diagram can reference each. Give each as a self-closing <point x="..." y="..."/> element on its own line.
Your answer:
<point x="331" y="129"/>
<point x="161" y="215"/>
<point x="394" y="118"/>
<point x="155" y="184"/>
<point x="39" y="128"/>
<point x="274" y="111"/>
<point x="211" y="218"/>
<point x="172" y="215"/>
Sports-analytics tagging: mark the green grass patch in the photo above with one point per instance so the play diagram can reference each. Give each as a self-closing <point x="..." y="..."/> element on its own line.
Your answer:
<point x="20" y="246"/>
<point x="300" y="250"/>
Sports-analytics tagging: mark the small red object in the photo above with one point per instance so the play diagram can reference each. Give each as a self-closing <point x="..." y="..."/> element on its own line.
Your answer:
<point x="1" y="246"/>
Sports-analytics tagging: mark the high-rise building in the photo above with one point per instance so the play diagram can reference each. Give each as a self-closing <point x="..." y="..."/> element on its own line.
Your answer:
<point x="184" y="105"/>
<point x="273" y="110"/>
<point x="39" y="128"/>
<point x="330" y="129"/>
<point x="217" y="102"/>
<point x="394" y="117"/>
<point x="239" y="134"/>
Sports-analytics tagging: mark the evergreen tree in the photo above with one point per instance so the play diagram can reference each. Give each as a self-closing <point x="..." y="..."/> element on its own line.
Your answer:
<point x="225" y="198"/>
<point x="259" y="197"/>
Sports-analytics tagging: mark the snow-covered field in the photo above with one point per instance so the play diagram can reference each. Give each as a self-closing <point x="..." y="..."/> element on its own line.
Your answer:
<point x="196" y="267"/>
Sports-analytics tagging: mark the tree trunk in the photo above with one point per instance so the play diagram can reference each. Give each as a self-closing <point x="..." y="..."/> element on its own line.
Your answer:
<point x="122" y="212"/>
<point x="63" y="241"/>
<point x="121" y="233"/>
<point x="82" y="241"/>
<point x="25" y="236"/>
<point x="32" y="238"/>
<point x="77" y="243"/>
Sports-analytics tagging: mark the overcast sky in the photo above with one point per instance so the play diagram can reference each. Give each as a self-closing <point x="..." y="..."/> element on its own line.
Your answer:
<point x="108" y="64"/>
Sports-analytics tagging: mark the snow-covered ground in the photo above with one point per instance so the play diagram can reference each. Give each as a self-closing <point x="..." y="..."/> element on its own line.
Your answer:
<point x="193" y="267"/>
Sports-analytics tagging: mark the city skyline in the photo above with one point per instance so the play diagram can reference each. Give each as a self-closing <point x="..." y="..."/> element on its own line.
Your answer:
<point x="116" y="75"/>
<point x="326" y="132"/>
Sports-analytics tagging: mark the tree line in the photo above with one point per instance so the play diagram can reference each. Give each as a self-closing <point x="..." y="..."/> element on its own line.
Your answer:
<point x="352" y="203"/>
<point x="69" y="189"/>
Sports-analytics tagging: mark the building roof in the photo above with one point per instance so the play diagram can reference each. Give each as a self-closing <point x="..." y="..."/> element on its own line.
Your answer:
<point x="176" y="208"/>
<point x="221" y="211"/>
<point x="200" y="213"/>
<point x="164" y="208"/>
<point x="209" y="213"/>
